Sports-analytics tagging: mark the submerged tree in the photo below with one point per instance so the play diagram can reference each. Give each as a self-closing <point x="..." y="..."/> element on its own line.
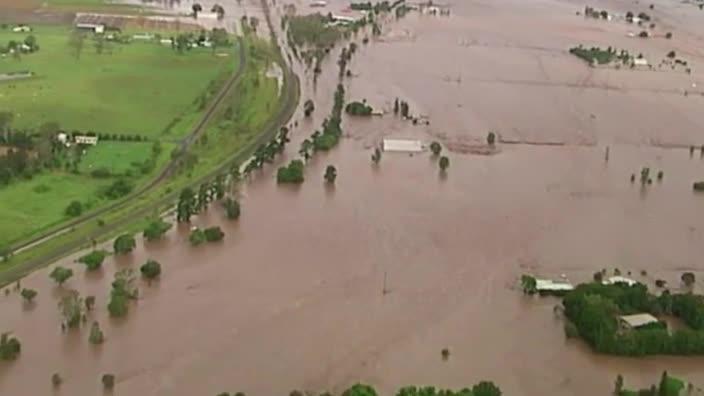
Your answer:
<point x="491" y="138"/>
<point x="232" y="208"/>
<point x="123" y="290"/>
<point x="436" y="148"/>
<point x="308" y="108"/>
<point x="156" y="229"/>
<point x="376" y="157"/>
<point x="186" y="205"/>
<point x="10" y="347"/>
<point x="330" y="174"/>
<point x="28" y="294"/>
<point x="444" y="163"/>
<point x="108" y="381"/>
<point x="151" y="269"/>
<point x="93" y="260"/>
<point x="688" y="279"/>
<point x="96" y="335"/>
<point x="61" y="274"/>
<point x="124" y="244"/>
<point x="71" y="306"/>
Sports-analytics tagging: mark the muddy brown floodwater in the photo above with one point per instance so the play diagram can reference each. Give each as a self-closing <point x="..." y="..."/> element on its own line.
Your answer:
<point x="293" y="297"/>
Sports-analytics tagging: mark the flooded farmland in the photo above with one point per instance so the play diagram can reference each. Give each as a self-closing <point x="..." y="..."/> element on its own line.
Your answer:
<point x="318" y="287"/>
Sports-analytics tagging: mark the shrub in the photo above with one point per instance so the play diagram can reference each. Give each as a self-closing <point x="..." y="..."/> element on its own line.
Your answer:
<point x="232" y="208"/>
<point x="96" y="335"/>
<point x="214" y="234"/>
<point x="93" y="260"/>
<point x="60" y="274"/>
<point x="197" y="237"/>
<point x="28" y="294"/>
<point x="101" y="173"/>
<point x="445" y="353"/>
<point x="156" y="229"/>
<point x="151" y="269"/>
<point x="330" y="174"/>
<point x="124" y="244"/>
<point x="119" y="188"/>
<point x="444" y="163"/>
<point x="56" y="380"/>
<point x="358" y="109"/>
<point x="74" y="209"/>
<point x="10" y="347"/>
<point x="108" y="381"/>
<point x="293" y="173"/>
<point x="436" y="148"/>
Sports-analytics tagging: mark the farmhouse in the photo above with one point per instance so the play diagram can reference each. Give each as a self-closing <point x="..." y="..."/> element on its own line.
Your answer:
<point x="402" y="145"/>
<point x="619" y="279"/>
<point x="547" y="285"/>
<point x="21" y="29"/>
<point x="93" y="27"/>
<point x="636" y="321"/>
<point x="83" y="139"/>
<point x="640" y="62"/>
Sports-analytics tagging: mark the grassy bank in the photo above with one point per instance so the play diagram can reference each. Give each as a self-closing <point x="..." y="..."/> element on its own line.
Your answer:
<point x="136" y="88"/>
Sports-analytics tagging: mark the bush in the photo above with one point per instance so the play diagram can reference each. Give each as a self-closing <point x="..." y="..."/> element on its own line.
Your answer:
<point x="124" y="244"/>
<point x="436" y="148"/>
<point x="156" y="229"/>
<point x="444" y="163"/>
<point x="10" y="347"/>
<point x="358" y="109"/>
<point x="28" y="294"/>
<point x="108" y="381"/>
<point x="101" y="173"/>
<point x="60" y="274"/>
<point x="197" y="237"/>
<point x="293" y="173"/>
<point x="232" y="208"/>
<point x="93" y="260"/>
<point x="151" y="269"/>
<point x="214" y="234"/>
<point x="96" y="335"/>
<point x="119" y="188"/>
<point x="74" y="209"/>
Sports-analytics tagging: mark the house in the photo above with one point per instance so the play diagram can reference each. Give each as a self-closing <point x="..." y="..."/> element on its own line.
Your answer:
<point x="88" y="140"/>
<point x="636" y="321"/>
<point x="619" y="279"/>
<point x="166" y="41"/>
<point x="94" y="27"/>
<point x="143" y="36"/>
<point x="640" y="62"/>
<point x="21" y="29"/>
<point x="207" y="15"/>
<point x="402" y="145"/>
<point x="62" y="138"/>
<point x="549" y="286"/>
<point x="319" y="3"/>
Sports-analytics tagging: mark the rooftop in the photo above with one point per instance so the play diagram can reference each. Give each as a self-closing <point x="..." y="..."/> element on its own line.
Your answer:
<point x="547" y="284"/>
<point x="639" y="320"/>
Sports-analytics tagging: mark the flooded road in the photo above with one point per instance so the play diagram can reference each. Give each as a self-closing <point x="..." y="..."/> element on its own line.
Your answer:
<point x="294" y="298"/>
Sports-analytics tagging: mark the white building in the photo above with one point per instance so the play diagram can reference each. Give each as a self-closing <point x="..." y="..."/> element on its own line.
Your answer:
<point x="402" y="145"/>
<point x="619" y="279"/>
<point x="319" y="3"/>
<point x="547" y="285"/>
<point x="207" y="15"/>
<point x="640" y="62"/>
<point x="89" y="140"/>
<point x="637" y="320"/>
<point x="21" y="29"/>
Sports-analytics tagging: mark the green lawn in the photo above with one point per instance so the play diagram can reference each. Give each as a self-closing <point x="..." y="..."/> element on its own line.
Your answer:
<point x="29" y="205"/>
<point x="117" y="157"/>
<point x="136" y="88"/>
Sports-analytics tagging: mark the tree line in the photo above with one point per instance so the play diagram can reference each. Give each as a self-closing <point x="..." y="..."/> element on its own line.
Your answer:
<point x="483" y="388"/>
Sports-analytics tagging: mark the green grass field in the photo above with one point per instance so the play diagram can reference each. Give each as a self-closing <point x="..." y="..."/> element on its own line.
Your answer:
<point x="117" y="157"/>
<point x="137" y="88"/>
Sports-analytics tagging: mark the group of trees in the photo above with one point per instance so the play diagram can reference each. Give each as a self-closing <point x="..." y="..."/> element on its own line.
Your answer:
<point x="26" y="46"/>
<point x="483" y="388"/>
<point x="359" y="108"/>
<point x="123" y="290"/>
<point x="191" y="203"/>
<point x="292" y="173"/>
<point x="124" y="244"/>
<point x="72" y="309"/>
<point x="668" y="386"/>
<point x="265" y="154"/>
<point x="156" y="229"/>
<point x="93" y="260"/>
<point x="211" y="234"/>
<point x="332" y="129"/>
<point x="594" y="309"/>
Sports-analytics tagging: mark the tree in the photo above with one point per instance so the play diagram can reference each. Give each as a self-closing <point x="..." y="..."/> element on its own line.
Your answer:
<point x="108" y="381"/>
<point x="56" y="380"/>
<point x="308" y="108"/>
<point x="444" y="163"/>
<point x="218" y="9"/>
<point x="529" y="284"/>
<point x="123" y="290"/>
<point x="491" y="138"/>
<point x="662" y="388"/>
<point x="89" y="302"/>
<point x="445" y="353"/>
<point x="668" y="35"/>
<point x="10" y="347"/>
<point x="93" y="260"/>
<point x="396" y="106"/>
<point x="60" y="274"/>
<point x="124" y="244"/>
<point x="618" y="385"/>
<point x="197" y="237"/>
<point x="96" y="334"/>
<point x="28" y="294"/>
<point x="71" y="306"/>
<point x="99" y="44"/>
<point x="360" y="390"/>
<point x="688" y="279"/>
<point x="186" y="205"/>
<point x="293" y="173"/>
<point x="330" y="174"/>
<point x="156" y="229"/>
<point x="376" y="157"/>
<point x="150" y="270"/>
<point x="214" y="234"/>
<point x="671" y="54"/>
<point x="232" y="208"/>
<point x="486" y="388"/>
<point x="31" y="42"/>
<point x="196" y="9"/>
<point x="435" y="148"/>
<point x="75" y="42"/>
<point x="74" y="209"/>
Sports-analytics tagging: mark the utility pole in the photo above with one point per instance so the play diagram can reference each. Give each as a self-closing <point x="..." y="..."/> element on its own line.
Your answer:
<point x="384" y="290"/>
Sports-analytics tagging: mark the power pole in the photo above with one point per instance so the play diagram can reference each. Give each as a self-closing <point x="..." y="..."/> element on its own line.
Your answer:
<point x="384" y="290"/>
